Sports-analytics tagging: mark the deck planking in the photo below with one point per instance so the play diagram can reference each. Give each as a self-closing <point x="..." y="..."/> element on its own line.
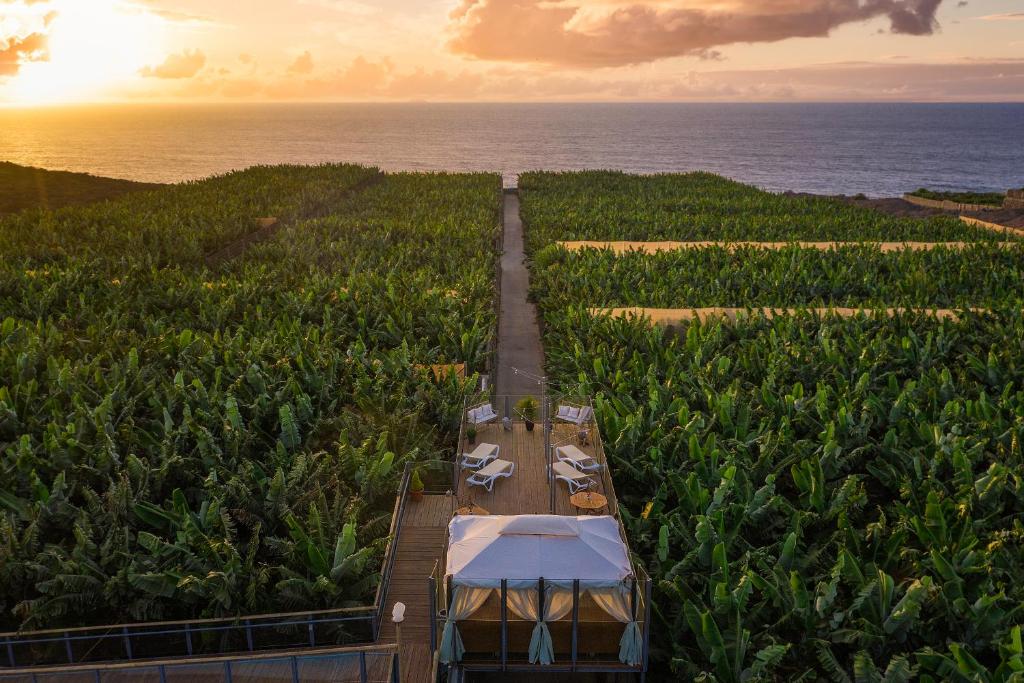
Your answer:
<point x="528" y="490"/>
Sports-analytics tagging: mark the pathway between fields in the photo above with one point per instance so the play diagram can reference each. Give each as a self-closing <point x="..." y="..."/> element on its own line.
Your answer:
<point x="519" y="344"/>
<point x="424" y="523"/>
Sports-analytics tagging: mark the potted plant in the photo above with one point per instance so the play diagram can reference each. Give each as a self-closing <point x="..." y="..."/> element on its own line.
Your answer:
<point x="527" y="409"/>
<point x="471" y="435"/>
<point x="416" y="486"/>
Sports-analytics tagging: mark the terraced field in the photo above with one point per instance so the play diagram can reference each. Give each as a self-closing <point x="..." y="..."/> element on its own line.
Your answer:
<point x="817" y="497"/>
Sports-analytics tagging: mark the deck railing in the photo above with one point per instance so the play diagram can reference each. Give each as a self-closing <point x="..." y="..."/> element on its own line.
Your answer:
<point x="362" y="666"/>
<point x="130" y="642"/>
<point x="380" y="601"/>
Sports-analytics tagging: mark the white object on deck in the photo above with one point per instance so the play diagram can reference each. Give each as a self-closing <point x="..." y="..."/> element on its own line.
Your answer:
<point x="577" y="415"/>
<point x="481" y="414"/>
<point x="576" y="480"/>
<point x="491" y="473"/>
<point x="574" y="456"/>
<point x="481" y="456"/>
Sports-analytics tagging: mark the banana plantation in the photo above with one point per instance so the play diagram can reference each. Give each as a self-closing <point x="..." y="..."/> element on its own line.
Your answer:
<point x="610" y="205"/>
<point x="817" y="498"/>
<point x="185" y="441"/>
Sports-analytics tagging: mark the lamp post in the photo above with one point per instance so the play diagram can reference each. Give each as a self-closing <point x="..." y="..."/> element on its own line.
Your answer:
<point x="397" y="617"/>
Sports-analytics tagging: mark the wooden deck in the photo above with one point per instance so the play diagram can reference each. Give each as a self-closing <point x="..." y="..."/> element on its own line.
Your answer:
<point x="528" y="491"/>
<point x="423" y="528"/>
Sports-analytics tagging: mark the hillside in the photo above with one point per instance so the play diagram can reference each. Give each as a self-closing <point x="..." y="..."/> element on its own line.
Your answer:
<point x="24" y="187"/>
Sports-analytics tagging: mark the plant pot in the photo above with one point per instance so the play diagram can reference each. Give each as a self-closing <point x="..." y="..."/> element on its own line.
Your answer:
<point x="529" y="425"/>
<point x="416" y="496"/>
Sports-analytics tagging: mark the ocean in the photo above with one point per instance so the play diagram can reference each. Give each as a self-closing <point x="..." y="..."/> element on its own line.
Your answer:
<point x="876" y="149"/>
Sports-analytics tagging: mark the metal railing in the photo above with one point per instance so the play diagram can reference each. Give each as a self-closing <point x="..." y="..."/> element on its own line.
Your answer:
<point x="380" y="600"/>
<point x="344" y="626"/>
<point x="363" y="666"/>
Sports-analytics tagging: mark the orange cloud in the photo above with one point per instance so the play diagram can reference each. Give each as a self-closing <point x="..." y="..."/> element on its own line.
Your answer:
<point x="590" y="33"/>
<point x="180" y="65"/>
<point x="303" y="64"/>
<point x="16" y="50"/>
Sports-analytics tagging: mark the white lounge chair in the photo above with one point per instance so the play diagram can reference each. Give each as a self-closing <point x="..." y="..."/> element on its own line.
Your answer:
<point x="486" y="477"/>
<point x="481" y="456"/>
<point x="481" y="414"/>
<point x="574" y="456"/>
<point x="576" y="480"/>
<point x="577" y="415"/>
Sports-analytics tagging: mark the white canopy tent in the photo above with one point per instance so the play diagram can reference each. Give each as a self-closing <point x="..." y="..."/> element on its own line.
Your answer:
<point x="522" y="549"/>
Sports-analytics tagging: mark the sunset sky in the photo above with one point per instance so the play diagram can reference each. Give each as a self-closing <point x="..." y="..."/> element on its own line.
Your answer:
<point x="59" y="51"/>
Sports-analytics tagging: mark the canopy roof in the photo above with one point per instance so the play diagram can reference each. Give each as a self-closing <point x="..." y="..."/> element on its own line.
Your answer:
<point x="483" y="550"/>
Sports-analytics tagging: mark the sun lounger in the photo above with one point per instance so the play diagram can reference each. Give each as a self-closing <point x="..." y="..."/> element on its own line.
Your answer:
<point x="481" y="456"/>
<point x="576" y="480"/>
<point x="577" y="415"/>
<point x="490" y="474"/>
<point x="481" y="414"/>
<point x="574" y="456"/>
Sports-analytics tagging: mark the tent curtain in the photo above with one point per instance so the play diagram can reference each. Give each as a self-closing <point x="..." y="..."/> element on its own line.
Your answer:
<point x="557" y="603"/>
<point x="615" y="602"/>
<point x="465" y="601"/>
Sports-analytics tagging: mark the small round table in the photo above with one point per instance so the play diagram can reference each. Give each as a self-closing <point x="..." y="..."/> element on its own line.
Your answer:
<point x="589" y="501"/>
<point x="472" y="509"/>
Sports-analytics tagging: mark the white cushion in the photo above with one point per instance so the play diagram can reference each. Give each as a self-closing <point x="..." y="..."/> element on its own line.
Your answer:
<point x="573" y="413"/>
<point x="474" y="415"/>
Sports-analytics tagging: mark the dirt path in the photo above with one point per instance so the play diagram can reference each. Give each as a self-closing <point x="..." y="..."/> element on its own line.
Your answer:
<point x="676" y="316"/>
<point x="884" y="247"/>
<point x="519" y="344"/>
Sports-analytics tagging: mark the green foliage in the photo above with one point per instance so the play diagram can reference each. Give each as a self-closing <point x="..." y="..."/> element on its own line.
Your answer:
<point x="416" y="482"/>
<point x="816" y="498"/>
<point x="25" y="187"/>
<point x="181" y="442"/>
<point x="978" y="275"/>
<point x="609" y="205"/>
<point x="181" y="223"/>
<point x="526" y="408"/>
<point x="990" y="198"/>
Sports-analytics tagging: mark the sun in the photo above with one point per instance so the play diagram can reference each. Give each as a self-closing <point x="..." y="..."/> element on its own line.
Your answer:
<point x="93" y="46"/>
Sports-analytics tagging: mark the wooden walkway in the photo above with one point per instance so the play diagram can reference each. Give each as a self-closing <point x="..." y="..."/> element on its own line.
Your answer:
<point x="421" y="543"/>
<point x="422" y="531"/>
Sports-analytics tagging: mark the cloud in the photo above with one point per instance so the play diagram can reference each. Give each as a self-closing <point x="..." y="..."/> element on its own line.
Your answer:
<point x="14" y="51"/>
<point x="1008" y="16"/>
<point x="359" y="9"/>
<point x="179" y="65"/>
<point x="596" y="33"/>
<point x="303" y="64"/>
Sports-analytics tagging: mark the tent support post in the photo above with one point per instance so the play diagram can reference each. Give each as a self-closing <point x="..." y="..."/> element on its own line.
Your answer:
<point x="647" y="625"/>
<point x="575" y="620"/>
<point x="504" y="624"/>
<point x="540" y="599"/>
